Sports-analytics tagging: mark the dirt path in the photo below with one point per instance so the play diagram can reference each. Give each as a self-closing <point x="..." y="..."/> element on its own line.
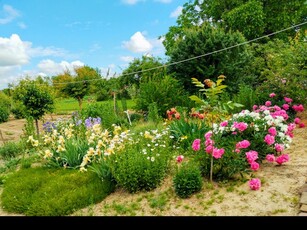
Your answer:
<point x="13" y="129"/>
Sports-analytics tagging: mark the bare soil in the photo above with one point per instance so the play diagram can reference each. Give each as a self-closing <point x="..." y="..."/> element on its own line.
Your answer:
<point x="279" y="194"/>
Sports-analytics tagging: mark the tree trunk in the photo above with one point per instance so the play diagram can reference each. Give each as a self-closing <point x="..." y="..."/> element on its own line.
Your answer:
<point x="80" y="103"/>
<point x="37" y="128"/>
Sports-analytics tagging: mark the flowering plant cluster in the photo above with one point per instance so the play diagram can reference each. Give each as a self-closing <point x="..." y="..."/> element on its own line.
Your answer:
<point x="248" y="138"/>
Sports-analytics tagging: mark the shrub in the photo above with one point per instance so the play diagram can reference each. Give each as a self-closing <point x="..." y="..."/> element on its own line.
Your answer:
<point x="11" y="149"/>
<point x="106" y="113"/>
<point x="143" y="163"/>
<point x="187" y="180"/>
<point x="4" y="114"/>
<point x="52" y="192"/>
<point x="70" y="154"/>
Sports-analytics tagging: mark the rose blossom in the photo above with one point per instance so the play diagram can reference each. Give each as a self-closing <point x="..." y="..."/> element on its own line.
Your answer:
<point x="270" y="157"/>
<point x="254" y="183"/>
<point x="196" y="144"/>
<point x="179" y="159"/>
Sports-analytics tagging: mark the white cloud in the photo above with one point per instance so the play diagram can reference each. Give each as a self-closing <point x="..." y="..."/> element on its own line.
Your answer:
<point x="127" y="58"/>
<point x="51" y="68"/>
<point x="164" y="1"/>
<point x="138" y="43"/>
<point x="46" y="51"/>
<point x="22" y="25"/>
<point x="176" y="12"/>
<point x="13" y="51"/>
<point x="9" y="14"/>
<point x="132" y="2"/>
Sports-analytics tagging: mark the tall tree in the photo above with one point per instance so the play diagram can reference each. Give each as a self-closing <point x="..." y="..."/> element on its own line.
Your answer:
<point x="191" y="55"/>
<point x="81" y="84"/>
<point x="253" y="18"/>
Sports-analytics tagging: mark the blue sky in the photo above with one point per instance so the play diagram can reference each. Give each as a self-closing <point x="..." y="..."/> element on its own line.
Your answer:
<point x="46" y="37"/>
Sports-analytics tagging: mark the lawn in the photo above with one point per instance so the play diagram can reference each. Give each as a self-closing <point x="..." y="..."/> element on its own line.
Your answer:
<point x="68" y="105"/>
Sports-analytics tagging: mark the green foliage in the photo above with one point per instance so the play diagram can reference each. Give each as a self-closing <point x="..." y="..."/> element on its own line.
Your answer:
<point x="153" y="114"/>
<point x="18" y="110"/>
<point x="170" y="95"/>
<point x="52" y="192"/>
<point x="11" y="149"/>
<point x="207" y="39"/>
<point x="37" y="100"/>
<point x="246" y="96"/>
<point x="229" y="167"/>
<point x="5" y="107"/>
<point x="186" y="129"/>
<point x="4" y="114"/>
<point x="285" y="69"/>
<point x="247" y="18"/>
<point x="71" y="155"/>
<point x="106" y="113"/>
<point x="142" y="165"/>
<point x="103" y="170"/>
<point x="187" y="180"/>
<point x="212" y="103"/>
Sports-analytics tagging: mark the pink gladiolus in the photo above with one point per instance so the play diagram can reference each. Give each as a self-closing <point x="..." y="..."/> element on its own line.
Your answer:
<point x="254" y="184"/>
<point x="270" y="157"/>
<point x="272" y="131"/>
<point x="254" y="166"/>
<point x="297" y="120"/>
<point x="283" y="158"/>
<point x="269" y="139"/>
<point x="272" y="95"/>
<point x="196" y="144"/>
<point x="179" y="159"/>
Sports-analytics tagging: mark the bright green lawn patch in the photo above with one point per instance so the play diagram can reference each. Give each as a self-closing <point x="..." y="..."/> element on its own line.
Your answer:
<point x="68" y="105"/>
<point x="52" y="192"/>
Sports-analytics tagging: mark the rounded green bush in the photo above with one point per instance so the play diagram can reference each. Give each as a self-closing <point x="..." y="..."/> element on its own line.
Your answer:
<point x="187" y="180"/>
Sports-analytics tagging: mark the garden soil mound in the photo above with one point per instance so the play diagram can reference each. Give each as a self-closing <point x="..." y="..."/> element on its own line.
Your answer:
<point x="279" y="194"/>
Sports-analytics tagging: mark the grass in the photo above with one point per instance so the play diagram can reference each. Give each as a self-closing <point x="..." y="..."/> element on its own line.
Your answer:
<point x="43" y="191"/>
<point x="68" y="105"/>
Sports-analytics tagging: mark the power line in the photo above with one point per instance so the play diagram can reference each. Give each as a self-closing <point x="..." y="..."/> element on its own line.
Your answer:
<point x="196" y="57"/>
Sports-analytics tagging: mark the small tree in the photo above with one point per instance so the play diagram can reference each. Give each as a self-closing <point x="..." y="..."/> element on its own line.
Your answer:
<point x="36" y="99"/>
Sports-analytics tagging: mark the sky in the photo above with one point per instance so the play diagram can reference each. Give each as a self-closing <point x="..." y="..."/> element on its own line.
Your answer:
<point x="48" y="37"/>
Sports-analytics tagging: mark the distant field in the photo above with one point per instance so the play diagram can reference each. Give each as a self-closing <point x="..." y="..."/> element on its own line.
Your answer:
<point x="68" y="105"/>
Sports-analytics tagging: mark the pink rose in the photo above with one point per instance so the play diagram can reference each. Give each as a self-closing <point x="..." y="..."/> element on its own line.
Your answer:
<point x="254" y="184"/>
<point x="196" y="144"/>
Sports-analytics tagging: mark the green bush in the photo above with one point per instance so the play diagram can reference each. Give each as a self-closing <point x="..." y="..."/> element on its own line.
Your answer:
<point x="11" y="149"/>
<point x="168" y="96"/>
<point x="187" y="180"/>
<point x="52" y="192"/>
<point x="142" y="164"/>
<point x="106" y="113"/>
<point x="75" y="149"/>
<point x="5" y="107"/>
<point x="4" y="114"/>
